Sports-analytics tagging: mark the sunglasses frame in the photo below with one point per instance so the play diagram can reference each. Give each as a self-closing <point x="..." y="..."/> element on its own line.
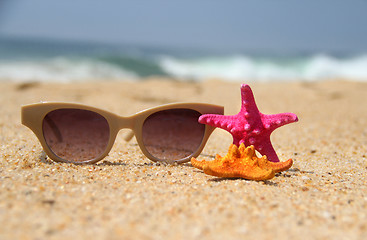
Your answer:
<point x="32" y="116"/>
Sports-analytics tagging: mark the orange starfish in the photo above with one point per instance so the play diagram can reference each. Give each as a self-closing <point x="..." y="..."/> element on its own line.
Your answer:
<point x="242" y="162"/>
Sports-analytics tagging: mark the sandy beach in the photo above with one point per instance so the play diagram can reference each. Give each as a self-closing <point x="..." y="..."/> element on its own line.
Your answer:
<point x="127" y="196"/>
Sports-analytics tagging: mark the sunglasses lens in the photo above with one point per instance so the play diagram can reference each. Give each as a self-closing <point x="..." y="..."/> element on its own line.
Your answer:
<point x="173" y="134"/>
<point x="76" y="135"/>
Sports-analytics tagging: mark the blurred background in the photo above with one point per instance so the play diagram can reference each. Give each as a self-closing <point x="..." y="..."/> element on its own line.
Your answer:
<point x="254" y="40"/>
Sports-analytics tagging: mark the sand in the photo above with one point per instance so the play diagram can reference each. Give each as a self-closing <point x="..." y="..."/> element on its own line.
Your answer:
<point x="127" y="196"/>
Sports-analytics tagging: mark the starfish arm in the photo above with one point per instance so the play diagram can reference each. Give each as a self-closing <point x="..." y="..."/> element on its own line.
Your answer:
<point x="265" y="148"/>
<point x="258" y="174"/>
<point x="201" y="164"/>
<point x="248" y="103"/>
<point x="198" y="164"/>
<point x="227" y="123"/>
<point x="250" y="173"/>
<point x="276" y="166"/>
<point x="273" y="121"/>
<point x="218" y="172"/>
<point x="281" y="166"/>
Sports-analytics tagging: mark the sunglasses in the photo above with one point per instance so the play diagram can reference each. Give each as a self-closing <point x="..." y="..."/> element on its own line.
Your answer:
<point x="80" y="134"/>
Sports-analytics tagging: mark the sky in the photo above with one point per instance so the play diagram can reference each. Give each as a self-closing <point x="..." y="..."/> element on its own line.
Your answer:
<point x="275" y="25"/>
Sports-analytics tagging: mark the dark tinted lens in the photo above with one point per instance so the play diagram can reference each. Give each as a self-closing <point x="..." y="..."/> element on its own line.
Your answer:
<point x="173" y="134"/>
<point x="76" y="135"/>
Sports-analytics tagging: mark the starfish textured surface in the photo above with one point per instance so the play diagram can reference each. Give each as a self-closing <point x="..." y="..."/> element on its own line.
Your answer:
<point x="241" y="162"/>
<point x="250" y="126"/>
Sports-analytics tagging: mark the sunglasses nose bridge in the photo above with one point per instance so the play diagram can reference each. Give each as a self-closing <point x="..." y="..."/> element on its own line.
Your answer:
<point x="125" y="122"/>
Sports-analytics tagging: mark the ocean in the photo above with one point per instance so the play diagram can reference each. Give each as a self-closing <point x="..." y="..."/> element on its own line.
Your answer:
<point x="25" y="60"/>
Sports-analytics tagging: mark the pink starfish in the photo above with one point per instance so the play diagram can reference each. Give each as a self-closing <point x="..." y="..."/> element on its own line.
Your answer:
<point x="250" y="126"/>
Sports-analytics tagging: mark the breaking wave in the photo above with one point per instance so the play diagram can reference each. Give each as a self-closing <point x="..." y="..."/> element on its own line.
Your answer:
<point x="317" y="67"/>
<point x="25" y="60"/>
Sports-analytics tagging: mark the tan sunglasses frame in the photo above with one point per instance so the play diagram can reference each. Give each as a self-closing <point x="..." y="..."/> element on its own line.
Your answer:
<point x="32" y="116"/>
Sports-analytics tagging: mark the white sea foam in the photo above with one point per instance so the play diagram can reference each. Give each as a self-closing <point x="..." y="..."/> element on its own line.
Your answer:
<point x="63" y="61"/>
<point x="317" y="67"/>
<point x="61" y="70"/>
<point x="232" y="68"/>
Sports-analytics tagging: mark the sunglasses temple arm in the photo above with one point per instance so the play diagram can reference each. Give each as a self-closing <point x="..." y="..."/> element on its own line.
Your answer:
<point x="129" y="136"/>
<point x="54" y="128"/>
